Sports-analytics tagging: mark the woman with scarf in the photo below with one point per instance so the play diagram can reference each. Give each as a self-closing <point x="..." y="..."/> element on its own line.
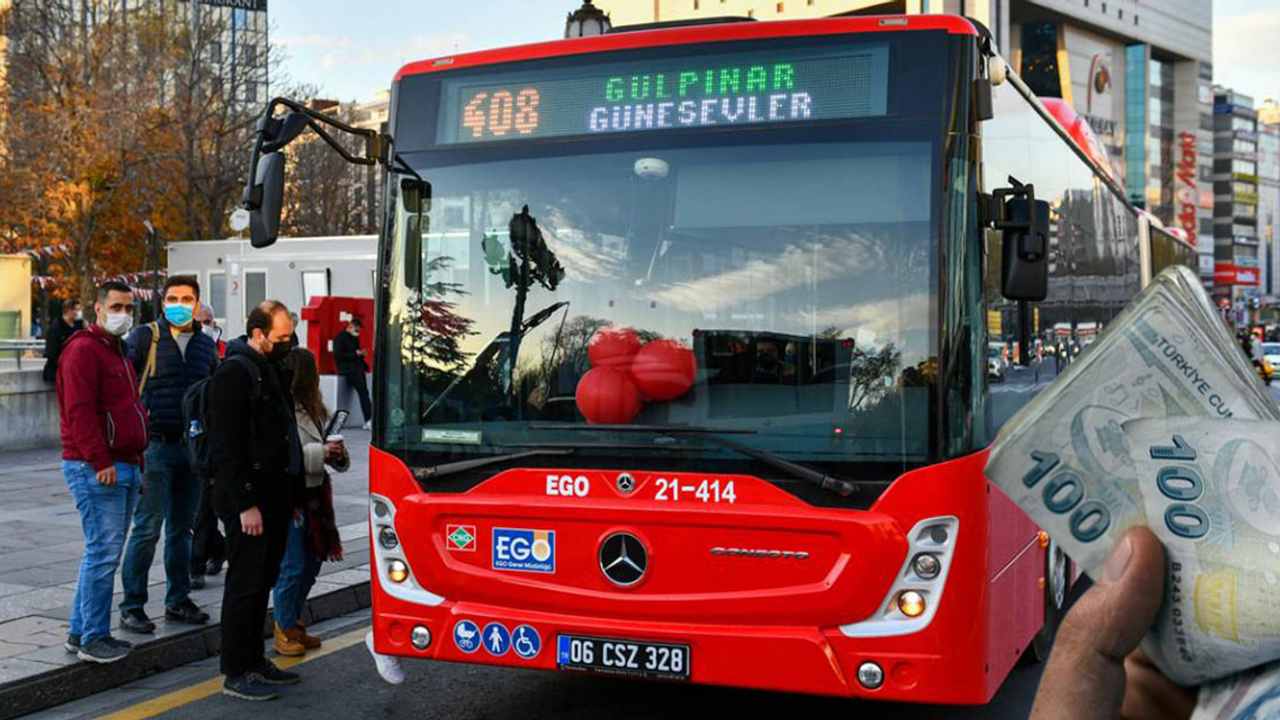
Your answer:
<point x="313" y="534"/>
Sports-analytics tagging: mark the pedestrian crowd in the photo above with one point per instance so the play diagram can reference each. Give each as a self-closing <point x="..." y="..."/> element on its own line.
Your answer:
<point x="169" y="430"/>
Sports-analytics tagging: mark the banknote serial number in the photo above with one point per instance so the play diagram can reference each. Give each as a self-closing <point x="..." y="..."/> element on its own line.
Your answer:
<point x="1179" y="622"/>
<point x="1064" y="493"/>
<point x="1183" y="485"/>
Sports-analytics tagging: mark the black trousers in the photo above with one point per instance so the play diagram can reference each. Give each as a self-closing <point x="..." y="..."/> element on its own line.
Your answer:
<point x="358" y="383"/>
<point x="208" y="544"/>
<point x="253" y="565"/>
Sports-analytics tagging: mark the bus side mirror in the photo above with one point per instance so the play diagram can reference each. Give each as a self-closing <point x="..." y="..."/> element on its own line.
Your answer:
<point x="268" y="189"/>
<point x="1025" y="253"/>
<point x="1024" y="224"/>
<point x="416" y="196"/>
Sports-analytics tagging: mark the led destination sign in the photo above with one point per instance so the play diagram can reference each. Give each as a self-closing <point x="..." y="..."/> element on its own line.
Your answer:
<point x="707" y="91"/>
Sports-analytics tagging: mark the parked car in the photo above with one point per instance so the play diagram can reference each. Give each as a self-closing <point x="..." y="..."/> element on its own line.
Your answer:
<point x="996" y="362"/>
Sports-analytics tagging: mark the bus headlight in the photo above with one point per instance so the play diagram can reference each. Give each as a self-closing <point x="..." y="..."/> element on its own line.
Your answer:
<point x="387" y="538"/>
<point x="420" y="637"/>
<point x="915" y="596"/>
<point x="926" y="566"/>
<point x="911" y="603"/>
<point x="397" y="571"/>
<point x="870" y="675"/>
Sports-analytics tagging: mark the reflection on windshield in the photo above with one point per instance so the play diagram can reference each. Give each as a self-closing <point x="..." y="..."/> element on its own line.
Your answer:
<point x="784" y="289"/>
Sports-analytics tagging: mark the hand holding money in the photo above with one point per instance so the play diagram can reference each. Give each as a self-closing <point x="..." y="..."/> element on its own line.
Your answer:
<point x="1094" y="672"/>
<point x="1095" y="454"/>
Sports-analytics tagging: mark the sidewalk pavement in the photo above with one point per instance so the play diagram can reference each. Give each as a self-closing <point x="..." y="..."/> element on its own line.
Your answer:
<point x="40" y="548"/>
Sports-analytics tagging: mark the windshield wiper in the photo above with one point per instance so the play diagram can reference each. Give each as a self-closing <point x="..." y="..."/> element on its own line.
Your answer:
<point x="435" y="472"/>
<point x="830" y="483"/>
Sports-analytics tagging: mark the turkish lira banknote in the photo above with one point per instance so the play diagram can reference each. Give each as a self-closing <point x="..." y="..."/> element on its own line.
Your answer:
<point x="1065" y="457"/>
<point x="1211" y="493"/>
<point x="1251" y="695"/>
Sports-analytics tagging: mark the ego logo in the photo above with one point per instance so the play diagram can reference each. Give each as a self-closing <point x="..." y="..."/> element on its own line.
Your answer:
<point x="524" y="550"/>
<point x="1064" y="493"/>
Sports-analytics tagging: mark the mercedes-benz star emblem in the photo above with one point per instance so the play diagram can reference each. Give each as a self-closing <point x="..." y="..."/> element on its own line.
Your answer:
<point x="623" y="559"/>
<point x="626" y="483"/>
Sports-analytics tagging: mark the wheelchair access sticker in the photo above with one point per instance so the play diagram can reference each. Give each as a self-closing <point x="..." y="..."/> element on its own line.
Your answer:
<point x="525" y="642"/>
<point x="524" y="550"/>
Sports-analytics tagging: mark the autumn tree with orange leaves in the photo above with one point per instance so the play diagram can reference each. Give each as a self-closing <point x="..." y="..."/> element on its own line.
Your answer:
<point x="113" y="114"/>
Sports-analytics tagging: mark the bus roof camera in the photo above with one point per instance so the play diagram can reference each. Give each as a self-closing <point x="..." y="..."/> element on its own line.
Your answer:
<point x="652" y="168"/>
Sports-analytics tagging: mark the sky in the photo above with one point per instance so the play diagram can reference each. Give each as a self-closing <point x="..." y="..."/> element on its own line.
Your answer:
<point x="351" y="50"/>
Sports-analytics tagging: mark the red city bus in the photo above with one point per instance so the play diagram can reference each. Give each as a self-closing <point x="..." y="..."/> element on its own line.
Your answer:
<point x="681" y="353"/>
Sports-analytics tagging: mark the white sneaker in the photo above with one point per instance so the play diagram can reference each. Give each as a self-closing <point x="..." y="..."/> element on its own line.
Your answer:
<point x="388" y="666"/>
<point x="368" y="425"/>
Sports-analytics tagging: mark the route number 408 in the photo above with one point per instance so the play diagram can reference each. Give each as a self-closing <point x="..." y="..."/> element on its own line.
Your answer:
<point x="498" y="113"/>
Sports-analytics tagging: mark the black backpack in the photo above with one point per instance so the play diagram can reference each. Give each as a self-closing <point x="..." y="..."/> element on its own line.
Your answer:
<point x="195" y="409"/>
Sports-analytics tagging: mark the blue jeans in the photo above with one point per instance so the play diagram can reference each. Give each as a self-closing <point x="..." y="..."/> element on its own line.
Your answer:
<point x="298" y="573"/>
<point x="171" y="500"/>
<point x="105" y="511"/>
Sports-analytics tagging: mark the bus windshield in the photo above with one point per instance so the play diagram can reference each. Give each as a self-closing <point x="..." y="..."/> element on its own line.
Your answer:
<point x="800" y="275"/>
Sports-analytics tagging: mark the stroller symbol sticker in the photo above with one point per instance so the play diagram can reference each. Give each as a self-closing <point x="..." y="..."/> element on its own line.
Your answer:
<point x="525" y="642"/>
<point x="466" y="636"/>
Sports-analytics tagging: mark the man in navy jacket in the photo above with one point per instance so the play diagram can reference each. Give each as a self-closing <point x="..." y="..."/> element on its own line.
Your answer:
<point x="169" y="356"/>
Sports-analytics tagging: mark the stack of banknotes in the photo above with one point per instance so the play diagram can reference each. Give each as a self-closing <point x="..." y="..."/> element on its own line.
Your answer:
<point x="1162" y="422"/>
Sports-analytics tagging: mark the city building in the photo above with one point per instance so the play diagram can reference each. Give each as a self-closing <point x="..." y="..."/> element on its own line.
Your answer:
<point x="1235" y="192"/>
<point x="1269" y="199"/>
<point x="1139" y="72"/>
<point x="241" y="53"/>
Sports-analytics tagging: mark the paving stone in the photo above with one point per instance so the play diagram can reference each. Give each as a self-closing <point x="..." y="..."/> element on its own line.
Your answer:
<point x="17" y="630"/>
<point x="7" y="589"/>
<point x="13" y="668"/>
<point x="52" y="654"/>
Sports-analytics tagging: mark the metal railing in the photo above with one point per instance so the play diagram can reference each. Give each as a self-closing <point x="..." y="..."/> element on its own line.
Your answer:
<point x="20" y="347"/>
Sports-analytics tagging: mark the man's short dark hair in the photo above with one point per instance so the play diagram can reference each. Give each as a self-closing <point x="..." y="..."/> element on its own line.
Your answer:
<point x="181" y="281"/>
<point x="70" y="304"/>
<point x="356" y="322"/>
<point x="113" y="286"/>
<point x="263" y="317"/>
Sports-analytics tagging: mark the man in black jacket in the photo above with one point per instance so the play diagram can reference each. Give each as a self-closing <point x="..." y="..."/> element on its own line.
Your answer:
<point x="349" y="357"/>
<point x="257" y="488"/>
<point x="64" y="327"/>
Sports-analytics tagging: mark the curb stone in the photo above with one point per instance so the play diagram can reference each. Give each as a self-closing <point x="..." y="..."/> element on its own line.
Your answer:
<point x="80" y="680"/>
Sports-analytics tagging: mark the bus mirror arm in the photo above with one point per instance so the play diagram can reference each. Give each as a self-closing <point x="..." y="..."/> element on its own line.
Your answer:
<point x="264" y="187"/>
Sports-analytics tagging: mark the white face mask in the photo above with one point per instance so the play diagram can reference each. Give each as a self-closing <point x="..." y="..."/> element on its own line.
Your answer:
<point x="79" y="315"/>
<point x="212" y="331"/>
<point x="118" y="323"/>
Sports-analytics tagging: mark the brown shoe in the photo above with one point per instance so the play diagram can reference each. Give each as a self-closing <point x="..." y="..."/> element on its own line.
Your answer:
<point x="285" y="645"/>
<point x="299" y="635"/>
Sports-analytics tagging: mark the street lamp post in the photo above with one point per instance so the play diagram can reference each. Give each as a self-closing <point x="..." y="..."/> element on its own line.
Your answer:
<point x="153" y="238"/>
<point x="586" y="21"/>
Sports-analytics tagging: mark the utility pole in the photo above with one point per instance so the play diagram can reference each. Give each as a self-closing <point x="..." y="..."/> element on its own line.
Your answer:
<point x="153" y="238"/>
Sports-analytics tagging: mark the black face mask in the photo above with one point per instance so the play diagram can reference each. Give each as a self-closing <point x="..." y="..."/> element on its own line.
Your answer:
<point x="279" y="351"/>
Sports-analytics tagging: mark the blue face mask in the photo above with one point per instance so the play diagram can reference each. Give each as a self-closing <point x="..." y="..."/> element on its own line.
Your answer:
<point x="178" y="315"/>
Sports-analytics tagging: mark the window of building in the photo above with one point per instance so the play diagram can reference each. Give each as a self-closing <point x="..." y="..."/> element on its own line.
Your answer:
<point x="782" y="7"/>
<point x="239" y="19"/>
<point x="215" y="52"/>
<point x="255" y="289"/>
<point x="1120" y="14"/>
<point x="216" y="294"/>
<point x="696" y="5"/>
<point x="1135" y="19"/>
<point x="250" y="55"/>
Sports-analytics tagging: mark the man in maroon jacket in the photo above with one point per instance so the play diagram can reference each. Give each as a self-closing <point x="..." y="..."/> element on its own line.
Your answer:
<point x="104" y="432"/>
